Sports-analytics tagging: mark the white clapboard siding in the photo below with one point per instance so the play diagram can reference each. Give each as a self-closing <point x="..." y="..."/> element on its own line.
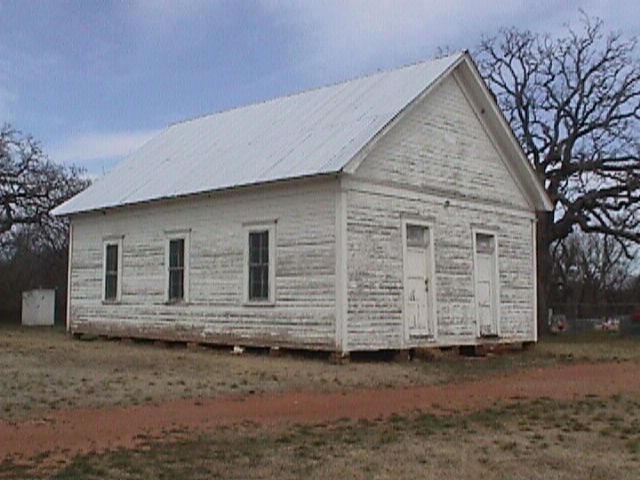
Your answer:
<point x="437" y="164"/>
<point x="304" y="311"/>
<point x="344" y="167"/>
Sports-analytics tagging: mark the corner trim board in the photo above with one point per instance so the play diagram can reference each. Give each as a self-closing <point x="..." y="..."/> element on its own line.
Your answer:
<point x="69" y="272"/>
<point x="341" y="271"/>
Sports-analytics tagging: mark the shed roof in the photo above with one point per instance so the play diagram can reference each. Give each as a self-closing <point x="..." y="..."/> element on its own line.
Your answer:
<point x="311" y="133"/>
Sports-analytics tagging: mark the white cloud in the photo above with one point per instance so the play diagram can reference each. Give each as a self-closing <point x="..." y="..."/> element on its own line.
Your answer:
<point x="8" y="96"/>
<point x="7" y="101"/>
<point x="155" y="19"/>
<point x="354" y="36"/>
<point x="342" y="38"/>
<point x="18" y="67"/>
<point x="88" y="148"/>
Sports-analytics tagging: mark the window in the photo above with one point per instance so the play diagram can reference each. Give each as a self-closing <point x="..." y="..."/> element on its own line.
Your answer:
<point x="416" y="236"/>
<point x="259" y="275"/>
<point x="259" y="265"/>
<point x="177" y="267"/>
<point x="112" y="266"/>
<point x="111" y="273"/>
<point x="485" y="243"/>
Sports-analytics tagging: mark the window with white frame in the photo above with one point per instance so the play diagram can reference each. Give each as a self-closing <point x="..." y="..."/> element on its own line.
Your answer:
<point x="259" y="278"/>
<point x="112" y="270"/>
<point x="177" y="267"/>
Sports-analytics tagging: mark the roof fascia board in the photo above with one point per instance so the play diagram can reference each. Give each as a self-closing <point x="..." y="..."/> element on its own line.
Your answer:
<point x="353" y="164"/>
<point x="476" y="87"/>
<point x="480" y="115"/>
<point x="280" y="184"/>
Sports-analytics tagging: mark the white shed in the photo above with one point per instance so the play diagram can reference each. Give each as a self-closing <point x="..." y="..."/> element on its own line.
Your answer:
<point x="392" y="211"/>
<point x="38" y="307"/>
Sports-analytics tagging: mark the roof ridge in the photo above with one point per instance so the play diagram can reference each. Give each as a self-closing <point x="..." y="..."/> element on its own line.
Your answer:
<point x="317" y="88"/>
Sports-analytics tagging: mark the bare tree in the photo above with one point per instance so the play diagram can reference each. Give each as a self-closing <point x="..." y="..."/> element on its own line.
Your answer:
<point x="592" y="269"/>
<point x="574" y="103"/>
<point x="33" y="243"/>
<point x="30" y="186"/>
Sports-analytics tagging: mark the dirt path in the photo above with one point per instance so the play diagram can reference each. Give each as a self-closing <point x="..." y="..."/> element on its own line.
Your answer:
<point x="65" y="434"/>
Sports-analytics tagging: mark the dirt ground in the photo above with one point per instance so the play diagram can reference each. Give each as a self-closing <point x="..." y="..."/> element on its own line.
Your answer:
<point x="62" y="400"/>
<point x="44" y="371"/>
<point x="595" y="438"/>
<point x="65" y="434"/>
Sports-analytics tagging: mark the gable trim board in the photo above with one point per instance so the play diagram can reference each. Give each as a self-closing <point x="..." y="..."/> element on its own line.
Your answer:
<point x="340" y="280"/>
<point x="471" y="83"/>
<point x="469" y="80"/>
<point x="479" y="113"/>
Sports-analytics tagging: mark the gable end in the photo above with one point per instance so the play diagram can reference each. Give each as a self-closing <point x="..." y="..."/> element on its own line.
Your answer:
<point x="494" y="125"/>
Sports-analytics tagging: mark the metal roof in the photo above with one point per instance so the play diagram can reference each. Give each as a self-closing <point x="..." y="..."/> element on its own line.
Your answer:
<point x="311" y="133"/>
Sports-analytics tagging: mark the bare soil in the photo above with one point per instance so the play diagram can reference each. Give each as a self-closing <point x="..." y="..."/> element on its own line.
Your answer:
<point x="43" y="371"/>
<point x="64" y="434"/>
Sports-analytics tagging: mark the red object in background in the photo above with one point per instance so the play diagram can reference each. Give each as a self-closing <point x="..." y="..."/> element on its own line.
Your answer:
<point x="636" y="316"/>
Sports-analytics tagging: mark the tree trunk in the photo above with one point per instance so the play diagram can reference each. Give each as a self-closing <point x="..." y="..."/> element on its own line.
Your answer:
<point x="544" y="266"/>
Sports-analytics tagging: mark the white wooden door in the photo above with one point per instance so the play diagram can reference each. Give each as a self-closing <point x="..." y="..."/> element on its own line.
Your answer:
<point x="486" y="284"/>
<point x="417" y="281"/>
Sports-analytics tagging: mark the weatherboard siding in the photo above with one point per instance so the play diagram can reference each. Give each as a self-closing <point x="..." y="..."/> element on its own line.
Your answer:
<point x="441" y="147"/>
<point x="339" y="253"/>
<point x="304" y="310"/>
<point x="437" y="164"/>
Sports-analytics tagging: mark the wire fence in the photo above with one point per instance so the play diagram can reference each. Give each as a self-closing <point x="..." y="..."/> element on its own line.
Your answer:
<point x="623" y="318"/>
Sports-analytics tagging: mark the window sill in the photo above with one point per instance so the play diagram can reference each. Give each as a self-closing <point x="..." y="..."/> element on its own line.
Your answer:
<point x="177" y="303"/>
<point x="259" y="303"/>
<point x="422" y="336"/>
<point x="111" y="302"/>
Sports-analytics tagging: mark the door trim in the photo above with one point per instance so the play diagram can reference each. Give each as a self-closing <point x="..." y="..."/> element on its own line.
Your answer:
<point x="432" y="323"/>
<point x="496" y="277"/>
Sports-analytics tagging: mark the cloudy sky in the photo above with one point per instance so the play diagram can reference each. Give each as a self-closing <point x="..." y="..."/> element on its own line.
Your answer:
<point x="93" y="80"/>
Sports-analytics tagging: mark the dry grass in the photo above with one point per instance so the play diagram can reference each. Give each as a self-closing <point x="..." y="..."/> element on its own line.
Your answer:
<point x="591" y="347"/>
<point x="44" y="370"/>
<point x="592" y="438"/>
